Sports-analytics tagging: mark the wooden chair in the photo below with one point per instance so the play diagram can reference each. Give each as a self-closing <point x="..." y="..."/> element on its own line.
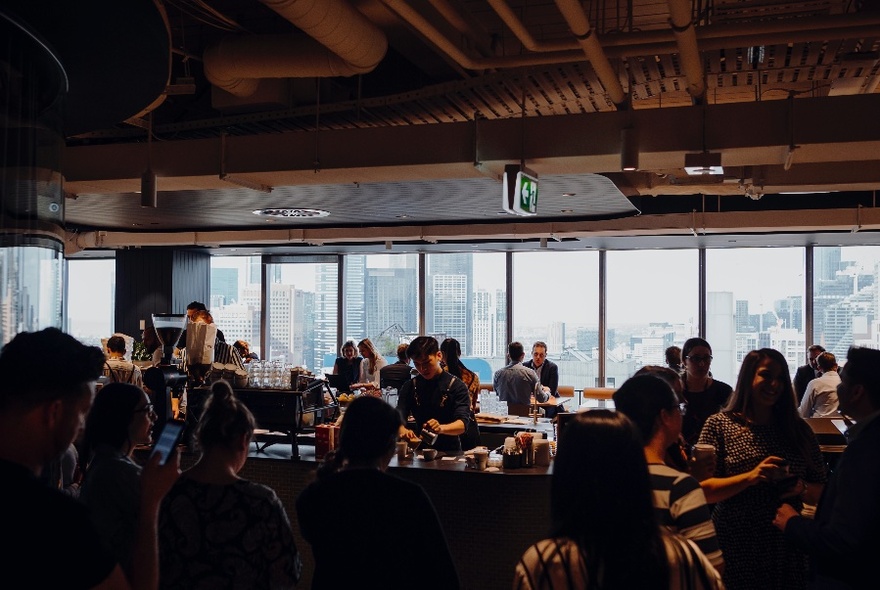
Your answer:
<point x="519" y="409"/>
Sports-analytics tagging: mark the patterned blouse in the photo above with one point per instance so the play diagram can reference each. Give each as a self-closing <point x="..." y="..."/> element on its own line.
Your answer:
<point x="225" y="536"/>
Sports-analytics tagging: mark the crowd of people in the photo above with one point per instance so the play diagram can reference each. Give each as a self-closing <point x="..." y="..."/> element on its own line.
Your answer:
<point x="737" y="518"/>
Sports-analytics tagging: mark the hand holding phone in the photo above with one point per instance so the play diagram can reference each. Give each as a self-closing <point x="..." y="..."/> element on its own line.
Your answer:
<point x="168" y="440"/>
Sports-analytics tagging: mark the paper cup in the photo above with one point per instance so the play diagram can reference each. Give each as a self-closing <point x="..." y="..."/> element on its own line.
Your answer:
<point x="701" y="450"/>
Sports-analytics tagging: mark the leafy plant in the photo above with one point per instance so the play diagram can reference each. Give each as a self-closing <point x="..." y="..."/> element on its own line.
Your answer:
<point x="139" y="352"/>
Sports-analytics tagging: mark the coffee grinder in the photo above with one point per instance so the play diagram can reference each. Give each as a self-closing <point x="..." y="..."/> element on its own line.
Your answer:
<point x="166" y="380"/>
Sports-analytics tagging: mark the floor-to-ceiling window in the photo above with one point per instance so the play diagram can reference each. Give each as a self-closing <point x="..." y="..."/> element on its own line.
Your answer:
<point x="845" y="298"/>
<point x="91" y="300"/>
<point x="754" y="299"/>
<point x="652" y="303"/>
<point x="556" y="301"/>
<point x="381" y="300"/>
<point x="236" y="290"/>
<point x="466" y="299"/>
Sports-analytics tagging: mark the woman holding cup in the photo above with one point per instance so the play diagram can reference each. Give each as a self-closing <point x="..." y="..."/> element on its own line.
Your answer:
<point x="761" y="442"/>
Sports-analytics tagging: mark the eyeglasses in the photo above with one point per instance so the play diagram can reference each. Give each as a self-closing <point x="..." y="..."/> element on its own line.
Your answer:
<point x="700" y="359"/>
<point x="147" y="409"/>
<point x="683" y="407"/>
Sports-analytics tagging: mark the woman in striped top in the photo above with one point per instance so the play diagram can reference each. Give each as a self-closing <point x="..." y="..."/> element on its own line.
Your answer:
<point x="604" y="534"/>
<point x="679" y="501"/>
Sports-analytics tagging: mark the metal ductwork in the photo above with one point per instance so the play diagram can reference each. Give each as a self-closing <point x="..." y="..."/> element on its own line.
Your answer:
<point x="681" y="22"/>
<point x="341" y="42"/>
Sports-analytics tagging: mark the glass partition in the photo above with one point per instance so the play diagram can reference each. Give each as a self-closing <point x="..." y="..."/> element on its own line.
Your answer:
<point x="652" y="304"/>
<point x="754" y="299"/>
<point x="30" y="278"/>
<point x="556" y="301"/>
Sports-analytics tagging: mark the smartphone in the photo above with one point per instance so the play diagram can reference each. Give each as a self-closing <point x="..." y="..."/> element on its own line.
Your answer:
<point x="168" y="440"/>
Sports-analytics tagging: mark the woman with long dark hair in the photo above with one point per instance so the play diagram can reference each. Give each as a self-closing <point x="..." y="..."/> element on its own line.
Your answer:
<point x="355" y="512"/>
<point x="604" y="533"/>
<point x="766" y="454"/>
<point x="121" y="418"/>
<point x="451" y="350"/>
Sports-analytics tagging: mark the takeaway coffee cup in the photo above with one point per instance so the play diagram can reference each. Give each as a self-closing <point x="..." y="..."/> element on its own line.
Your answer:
<point x="481" y="459"/>
<point x="402" y="448"/>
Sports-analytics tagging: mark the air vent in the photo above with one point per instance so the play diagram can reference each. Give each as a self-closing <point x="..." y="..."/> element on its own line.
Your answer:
<point x="291" y="213"/>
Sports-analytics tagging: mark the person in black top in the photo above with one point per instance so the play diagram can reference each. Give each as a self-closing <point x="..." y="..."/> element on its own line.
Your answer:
<point x="348" y="365"/>
<point x="703" y="394"/>
<point x="396" y="374"/>
<point x="438" y="400"/>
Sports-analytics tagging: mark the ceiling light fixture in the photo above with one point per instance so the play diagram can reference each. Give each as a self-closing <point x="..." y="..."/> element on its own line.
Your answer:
<point x="149" y="179"/>
<point x="704" y="163"/>
<point x="291" y="212"/>
<point x="629" y="149"/>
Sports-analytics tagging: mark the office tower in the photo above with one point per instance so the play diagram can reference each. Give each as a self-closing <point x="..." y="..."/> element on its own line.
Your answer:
<point x="556" y="339"/>
<point x="449" y="298"/>
<point x="826" y="263"/>
<point x="501" y="337"/>
<point x="224" y="286"/>
<point x="483" y="325"/>
<point x="391" y="306"/>
<point x="354" y="306"/>
<point x="326" y="305"/>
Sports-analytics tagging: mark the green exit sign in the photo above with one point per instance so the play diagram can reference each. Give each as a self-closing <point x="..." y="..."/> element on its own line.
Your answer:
<point x="520" y="188"/>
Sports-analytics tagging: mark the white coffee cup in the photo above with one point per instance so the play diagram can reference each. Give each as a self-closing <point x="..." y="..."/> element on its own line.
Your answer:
<point x="701" y="450"/>
<point x="481" y="459"/>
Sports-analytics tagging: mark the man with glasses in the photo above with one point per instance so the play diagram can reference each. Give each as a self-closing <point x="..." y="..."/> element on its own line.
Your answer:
<point x="842" y="540"/>
<point x="679" y="501"/>
<point x="704" y="394"/>
<point x="548" y="373"/>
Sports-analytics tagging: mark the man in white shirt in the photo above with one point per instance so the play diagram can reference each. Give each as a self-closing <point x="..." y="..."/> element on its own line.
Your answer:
<point x="820" y="397"/>
<point x="116" y="368"/>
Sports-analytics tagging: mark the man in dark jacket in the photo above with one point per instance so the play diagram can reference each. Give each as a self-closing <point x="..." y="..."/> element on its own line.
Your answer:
<point x="808" y="372"/>
<point x="548" y="373"/>
<point x="842" y="540"/>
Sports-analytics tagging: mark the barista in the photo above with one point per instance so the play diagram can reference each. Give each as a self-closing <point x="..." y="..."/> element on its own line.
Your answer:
<point x="438" y="401"/>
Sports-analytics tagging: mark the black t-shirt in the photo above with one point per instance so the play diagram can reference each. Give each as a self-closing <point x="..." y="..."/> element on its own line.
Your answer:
<point x="50" y="540"/>
<point x="444" y="398"/>
<point x="701" y="405"/>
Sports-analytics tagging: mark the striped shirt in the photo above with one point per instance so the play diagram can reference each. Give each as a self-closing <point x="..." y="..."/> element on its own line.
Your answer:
<point x="680" y="505"/>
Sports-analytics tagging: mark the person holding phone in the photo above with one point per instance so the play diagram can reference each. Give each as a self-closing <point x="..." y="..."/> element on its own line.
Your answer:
<point x="54" y="543"/>
<point x="218" y="530"/>
<point x="122" y="418"/>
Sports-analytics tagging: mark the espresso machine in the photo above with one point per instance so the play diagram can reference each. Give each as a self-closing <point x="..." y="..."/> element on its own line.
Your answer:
<point x="166" y="380"/>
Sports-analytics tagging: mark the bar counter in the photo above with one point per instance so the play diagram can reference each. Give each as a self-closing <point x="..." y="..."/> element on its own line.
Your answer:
<point x="489" y="517"/>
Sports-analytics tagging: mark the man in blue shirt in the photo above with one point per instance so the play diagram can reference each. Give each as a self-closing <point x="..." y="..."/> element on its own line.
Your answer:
<point x="516" y="383"/>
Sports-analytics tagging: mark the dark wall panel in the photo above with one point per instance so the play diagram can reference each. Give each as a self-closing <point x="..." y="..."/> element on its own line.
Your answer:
<point x="158" y="280"/>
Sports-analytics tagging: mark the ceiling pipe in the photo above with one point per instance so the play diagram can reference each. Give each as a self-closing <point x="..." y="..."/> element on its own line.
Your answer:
<point x="681" y="22"/>
<point x="580" y="26"/>
<point x="509" y="17"/>
<point x="659" y="42"/>
<point x="472" y="30"/>
<point x="341" y="42"/>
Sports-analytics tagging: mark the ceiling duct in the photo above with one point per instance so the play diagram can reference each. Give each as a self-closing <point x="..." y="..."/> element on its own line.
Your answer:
<point x="341" y="42"/>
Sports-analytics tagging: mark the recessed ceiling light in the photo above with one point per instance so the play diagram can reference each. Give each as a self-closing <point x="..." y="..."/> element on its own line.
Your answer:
<point x="568" y="194"/>
<point x="285" y="212"/>
<point x="566" y="210"/>
<point x="404" y="216"/>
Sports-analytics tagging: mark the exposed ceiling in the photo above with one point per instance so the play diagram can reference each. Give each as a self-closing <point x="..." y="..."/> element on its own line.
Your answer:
<point x="398" y="116"/>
